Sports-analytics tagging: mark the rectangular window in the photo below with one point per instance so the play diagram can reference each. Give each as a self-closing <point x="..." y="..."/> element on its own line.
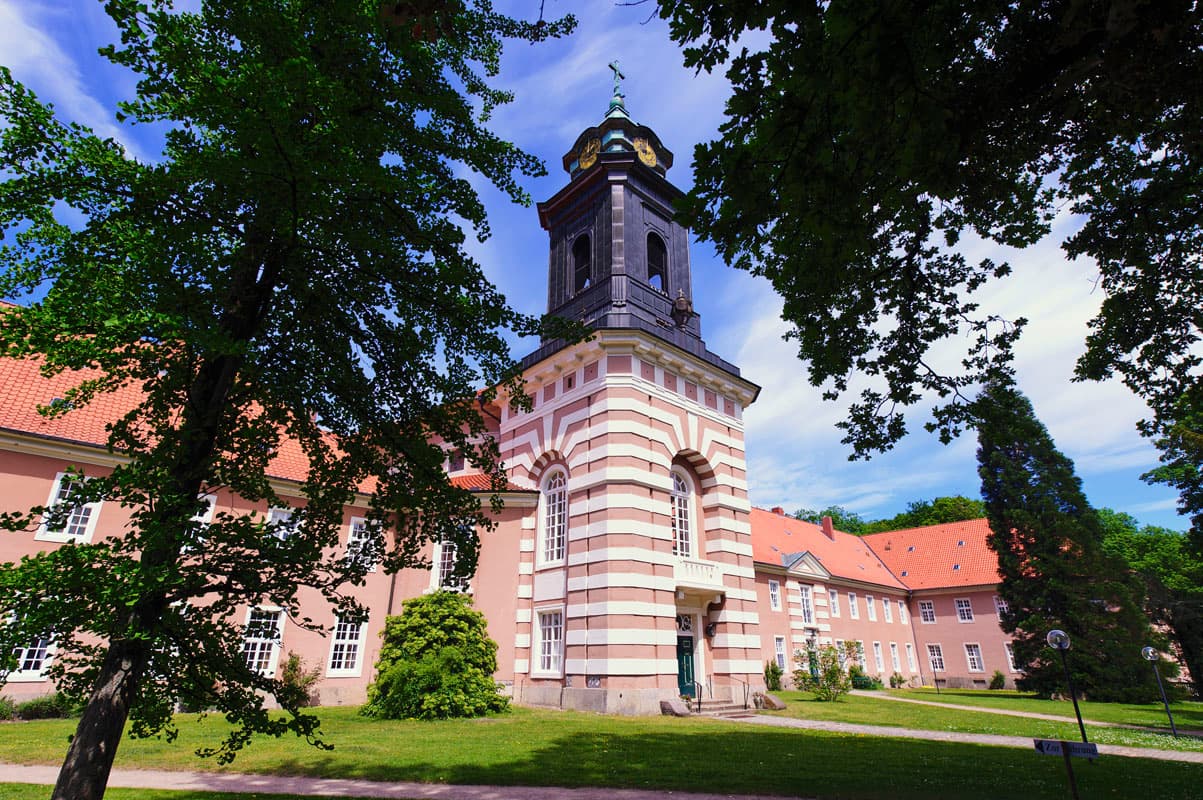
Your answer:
<point x="853" y="609"/>
<point x="910" y="658"/>
<point x="887" y="609"/>
<point x="1000" y="606"/>
<point x="964" y="609"/>
<point x="808" y="611"/>
<point x="779" y="648"/>
<point x="346" y="647"/>
<point x="261" y="645"/>
<point x="1011" y="657"/>
<point x="878" y="661"/>
<point x="833" y="602"/>
<point x="447" y="553"/>
<point x="936" y="655"/>
<point x="32" y="660"/>
<point x="280" y="523"/>
<point x="202" y="519"/>
<point x="871" y="607"/>
<point x="774" y="595"/>
<point x="927" y="611"/>
<point x="860" y="655"/>
<point x="551" y="641"/>
<point x="80" y="518"/>
<point x="555" y="518"/>
<point x="358" y="538"/>
<point x="902" y="611"/>
<point x="841" y="650"/>
<point x="973" y="656"/>
<point x="894" y="660"/>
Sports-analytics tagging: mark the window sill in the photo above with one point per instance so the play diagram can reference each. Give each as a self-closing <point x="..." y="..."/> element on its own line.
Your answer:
<point x="26" y="677"/>
<point x="61" y="538"/>
<point x="344" y="673"/>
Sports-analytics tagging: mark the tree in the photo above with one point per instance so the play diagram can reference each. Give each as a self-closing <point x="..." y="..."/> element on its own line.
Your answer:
<point x="1181" y="446"/>
<point x="437" y="661"/>
<point x="864" y="140"/>
<point x="821" y="672"/>
<point x="1055" y="571"/>
<point x="290" y="273"/>
<point x="1172" y="575"/>
<point x="939" y="511"/>
<point x="841" y="518"/>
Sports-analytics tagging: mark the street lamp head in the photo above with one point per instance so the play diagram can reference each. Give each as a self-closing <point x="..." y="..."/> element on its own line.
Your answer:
<point x="1150" y="654"/>
<point x="1057" y="639"/>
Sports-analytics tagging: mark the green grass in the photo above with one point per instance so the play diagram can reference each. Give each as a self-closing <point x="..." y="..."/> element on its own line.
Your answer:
<point x="548" y="748"/>
<point x="865" y="710"/>
<point x="1187" y="715"/>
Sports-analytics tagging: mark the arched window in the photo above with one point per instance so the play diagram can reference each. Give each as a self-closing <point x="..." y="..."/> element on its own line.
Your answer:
<point x="657" y="263"/>
<point x="554" y="514"/>
<point x="582" y="264"/>
<point x="681" y="502"/>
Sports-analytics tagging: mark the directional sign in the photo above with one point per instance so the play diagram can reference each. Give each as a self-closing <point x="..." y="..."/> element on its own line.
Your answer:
<point x="1058" y="747"/>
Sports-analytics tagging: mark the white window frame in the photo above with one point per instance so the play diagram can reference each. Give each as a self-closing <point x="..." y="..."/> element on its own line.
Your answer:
<point x="273" y="659"/>
<point x="833" y="602"/>
<point x="895" y="661"/>
<point x="779" y="650"/>
<point x="442" y="563"/>
<point x="204" y="517"/>
<point x="878" y="659"/>
<point x="357" y="532"/>
<point x="42" y="644"/>
<point x="887" y="611"/>
<point x="964" y="608"/>
<point x="861" y="658"/>
<point x="841" y="653"/>
<point x="278" y="514"/>
<point x="548" y="662"/>
<point x="552" y="541"/>
<point x="973" y="652"/>
<point x="1009" y="649"/>
<point x="90" y="512"/>
<point x="871" y="607"/>
<point x="681" y="513"/>
<point x="1000" y="607"/>
<point x="935" y="657"/>
<point x="902" y="612"/>
<point x="927" y="608"/>
<point x="354" y="644"/>
<point x="808" y="608"/>
<point x="910" y="658"/>
<point x="774" y="595"/>
<point x="853" y="609"/>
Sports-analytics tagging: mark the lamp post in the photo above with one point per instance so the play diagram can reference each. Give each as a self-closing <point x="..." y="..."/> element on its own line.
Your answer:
<point x="1152" y="656"/>
<point x="1059" y="641"/>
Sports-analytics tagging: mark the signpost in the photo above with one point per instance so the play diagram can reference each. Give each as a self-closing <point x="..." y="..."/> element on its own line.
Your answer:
<point x="1059" y="747"/>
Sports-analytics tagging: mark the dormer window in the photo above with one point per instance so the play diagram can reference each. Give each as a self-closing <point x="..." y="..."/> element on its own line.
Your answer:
<point x="582" y="264"/>
<point x="657" y="263"/>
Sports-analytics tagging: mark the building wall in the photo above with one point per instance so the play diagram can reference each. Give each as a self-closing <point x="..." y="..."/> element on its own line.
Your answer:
<point x="952" y="635"/>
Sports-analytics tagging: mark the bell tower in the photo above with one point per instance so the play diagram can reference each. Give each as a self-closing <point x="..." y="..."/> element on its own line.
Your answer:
<point x="617" y="258"/>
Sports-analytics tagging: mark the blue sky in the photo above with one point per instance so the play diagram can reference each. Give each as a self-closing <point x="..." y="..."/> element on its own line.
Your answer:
<point x="795" y="458"/>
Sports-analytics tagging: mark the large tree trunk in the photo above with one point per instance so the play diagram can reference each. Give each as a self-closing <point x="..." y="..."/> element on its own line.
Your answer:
<point x="85" y="771"/>
<point x="1187" y="625"/>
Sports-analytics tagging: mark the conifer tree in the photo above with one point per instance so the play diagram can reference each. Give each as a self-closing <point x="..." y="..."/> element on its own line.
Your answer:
<point x="1055" y="573"/>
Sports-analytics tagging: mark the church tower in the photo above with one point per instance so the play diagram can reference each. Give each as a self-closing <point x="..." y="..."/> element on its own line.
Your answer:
<point x="635" y="581"/>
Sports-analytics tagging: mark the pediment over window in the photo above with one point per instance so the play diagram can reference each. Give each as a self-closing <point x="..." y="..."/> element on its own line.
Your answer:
<point x="805" y="565"/>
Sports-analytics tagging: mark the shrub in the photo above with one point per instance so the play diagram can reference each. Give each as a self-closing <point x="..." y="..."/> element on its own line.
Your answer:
<point x="998" y="680"/>
<point x="299" y="681"/>
<point x="8" y="709"/>
<point x="772" y="676"/>
<point x="51" y="706"/>
<point x="820" y="672"/>
<point x="897" y="681"/>
<point x="437" y="661"/>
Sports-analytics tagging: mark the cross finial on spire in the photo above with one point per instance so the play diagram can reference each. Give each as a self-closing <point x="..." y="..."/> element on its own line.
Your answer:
<point x="618" y="76"/>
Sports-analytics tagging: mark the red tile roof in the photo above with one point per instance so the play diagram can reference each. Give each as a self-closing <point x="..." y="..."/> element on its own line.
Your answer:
<point x="23" y="388"/>
<point x="848" y="557"/>
<point x="939" y="556"/>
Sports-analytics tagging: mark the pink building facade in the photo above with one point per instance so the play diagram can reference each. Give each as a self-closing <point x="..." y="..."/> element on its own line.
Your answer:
<point x="627" y="566"/>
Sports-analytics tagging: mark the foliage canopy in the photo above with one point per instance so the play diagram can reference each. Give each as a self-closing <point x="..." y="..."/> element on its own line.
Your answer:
<point x="289" y="272"/>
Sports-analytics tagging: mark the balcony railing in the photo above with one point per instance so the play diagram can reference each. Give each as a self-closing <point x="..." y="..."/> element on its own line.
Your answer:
<point x="697" y="573"/>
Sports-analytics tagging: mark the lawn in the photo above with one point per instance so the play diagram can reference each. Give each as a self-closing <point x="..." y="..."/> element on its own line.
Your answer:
<point x="866" y="710"/>
<point x="1187" y="715"/>
<point x="550" y="748"/>
<point x="27" y="791"/>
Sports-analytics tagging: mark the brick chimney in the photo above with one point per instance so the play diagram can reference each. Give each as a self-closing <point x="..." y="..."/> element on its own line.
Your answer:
<point x="778" y="510"/>
<point x="828" y="528"/>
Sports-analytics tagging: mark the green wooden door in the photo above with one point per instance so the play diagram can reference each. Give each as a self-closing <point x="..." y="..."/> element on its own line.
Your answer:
<point x="685" y="665"/>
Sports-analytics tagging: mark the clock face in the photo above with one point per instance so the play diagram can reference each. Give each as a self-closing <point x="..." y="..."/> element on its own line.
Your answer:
<point x="646" y="154"/>
<point x="588" y="155"/>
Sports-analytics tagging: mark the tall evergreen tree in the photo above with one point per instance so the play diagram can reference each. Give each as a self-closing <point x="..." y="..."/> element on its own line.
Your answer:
<point x="1055" y="573"/>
